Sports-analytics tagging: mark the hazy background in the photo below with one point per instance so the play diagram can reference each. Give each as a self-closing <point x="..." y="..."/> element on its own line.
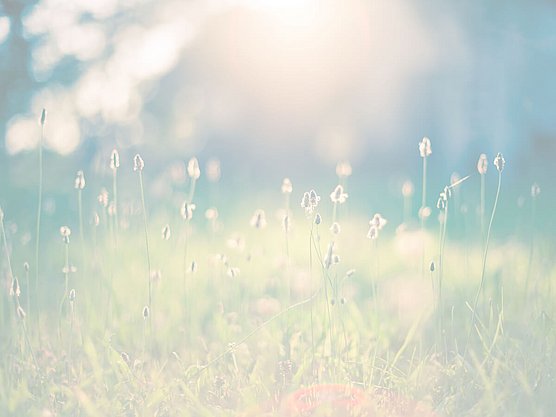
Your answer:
<point x="279" y="88"/>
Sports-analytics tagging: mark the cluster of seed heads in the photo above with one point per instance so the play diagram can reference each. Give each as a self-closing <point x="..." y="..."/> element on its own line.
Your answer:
<point x="187" y="210"/>
<point x="310" y="201"/>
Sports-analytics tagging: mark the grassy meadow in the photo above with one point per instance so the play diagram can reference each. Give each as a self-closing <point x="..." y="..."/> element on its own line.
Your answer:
<point x="126" y="304"/>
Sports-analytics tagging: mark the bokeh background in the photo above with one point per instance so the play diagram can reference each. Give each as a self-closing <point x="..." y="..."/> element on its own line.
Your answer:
<point x="278" y="88"/>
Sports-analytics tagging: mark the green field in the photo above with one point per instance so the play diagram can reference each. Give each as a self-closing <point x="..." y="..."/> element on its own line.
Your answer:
<point x="172" y="311"/>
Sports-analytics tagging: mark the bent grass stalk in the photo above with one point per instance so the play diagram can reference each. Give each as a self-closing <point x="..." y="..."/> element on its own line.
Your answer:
<point x="485" y="254"/>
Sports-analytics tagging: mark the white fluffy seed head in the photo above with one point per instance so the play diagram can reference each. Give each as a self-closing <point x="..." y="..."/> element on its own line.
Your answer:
<point x="103" y="197"/>
<point x="15" y="290"/>
<point x="72" y="295"/>
<point x="378" y="221"/>
<point x="338" y="195"/>
<point x="499" y="162"/>
<point x="335" y="229"/>
<point x="138" y="163"/>
<point x="287" y="186"/>
<point x="166" y="233"/>
<point x="211" y="214"/>
<point x="343" y="169"/>
<point x="43" y="117"/>
<point x="114" y="160"/>
<point x="186" y="210"/>
<point x="214" y="171"/>
<point x="65" y="232"/>
<point x="535" y="190"/>
<point x="372" y="233"/>
<point x="408" y="189"/>
<point x="258" y="221"/>
<point x="193" y="169"/>
<point x="425" y="147"/>
<point x="318" y="219"/>
<point x="482" y="164"/>
<point x="80" y="180"/>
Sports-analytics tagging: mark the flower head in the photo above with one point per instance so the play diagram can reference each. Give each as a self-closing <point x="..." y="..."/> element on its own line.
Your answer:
<point x="482" y="164"/>
<point x="138" y="163"/>
<point x="214" y="171"/>
<point x="310" y="201"/>
<point x="80" y="180"/>
<point x="407" y="189"/>
<point x="535" y="190"/>
<point x="114" y="160"/>
<point x="193" y="169"/>
<point x="103" y="197"/>
<point x="338" y="195"/>
<point x="378" y="221"/>
<point x="287" y="187"/>
<point x="65" y="232"/>
<point x="425" y="147"/>
<point x="166" y="233"/>
<point x="335" y="229"/>
<point x="43" y="117"/>
<point x="499" y="162"/>
<point x="187" y="210"/>
<point x="146" y="312"/>
<point x="258" y="221"/>
<point x="343" y="169"/>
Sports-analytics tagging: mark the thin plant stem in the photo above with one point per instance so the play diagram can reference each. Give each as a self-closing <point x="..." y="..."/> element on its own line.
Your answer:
<point x="482" y="210"/>
<point x="532" y="244"/>
<point x="422" y="216"/>
<point x="481" y="284"/>
<point x="146" y="238"/>
<point x="66" y="286"/>
<point x="81" y="230"/>
<point x="441" y="271"/>
<point x="115" y="192"/>
<point x="38" y="228"/>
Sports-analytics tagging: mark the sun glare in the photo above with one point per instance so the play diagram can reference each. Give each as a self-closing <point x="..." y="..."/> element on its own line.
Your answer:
<point x="292" y="13"/>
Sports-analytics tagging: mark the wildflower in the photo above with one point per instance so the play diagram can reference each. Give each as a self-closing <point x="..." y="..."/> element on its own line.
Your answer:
<point x="103" y="197"/>
<point x="310" y="201"/>
<point x="193" y="267"/>
<point x="112" y="209"/>
<point x="43" y="117"/>
<point x="114" y="160"/>
<point x="166" y="233"/>
<point x="146" y="312"/>
<point x="187" y="210"/>
<point x="193" y="169"/>
<point x="286" y="224"/>
<point x="335" y="259"/>
<point x="138" y="163"/>
<point x="72" y="295"/>
<point x="338" y="195"/>
<point x="15" y="289"/>
<point x="318" y="219"/>
<point x="535" y="190"/>
<point x="343" y="169"/>
<point x="156" y="275"/>
<point x="258" y="221"/>
<point x="213" y="170"/>
<point x="125" y="358"/>
<point x="378" y="221"/>
<point x="80" y="180"/>
<point x="431" y="266"/>
<point x="372" y="233"/>
<point x="424" y="212"/>
<point x="335" y="229"/>
<point x="482" y="164"/>
<point x="26" y="266"/>
<point x="211" y="214"/>
<point x="233" y="272"/>
<point x="287" y="186"/>
<point x="425" y="147"/>
<point x="407" y="189"/>
<point x="443" y="198"/>
<point x="65" y="232"/>
<point x="499" y="162"/>
<point x="327" y="262"/>
<point x="350" y="272"/>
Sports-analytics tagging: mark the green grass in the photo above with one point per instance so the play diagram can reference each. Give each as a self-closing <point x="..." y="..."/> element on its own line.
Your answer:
<point x="244" y="344"/>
